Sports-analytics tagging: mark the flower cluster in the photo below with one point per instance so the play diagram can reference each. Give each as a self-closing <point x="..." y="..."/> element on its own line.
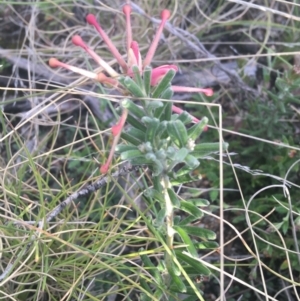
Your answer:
<point x="134" y="62"/>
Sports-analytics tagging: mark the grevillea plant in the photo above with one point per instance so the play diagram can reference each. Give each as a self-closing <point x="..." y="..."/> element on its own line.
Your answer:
<point x="162" y="137"/>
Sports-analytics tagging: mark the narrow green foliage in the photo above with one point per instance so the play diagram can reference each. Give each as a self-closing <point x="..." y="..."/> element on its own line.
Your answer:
<point x="136" y="123"/>
<point x="125" y="147"/>
<point x="131" y="154"/>
<point x="152" y="269"/>
<point x="187" y="220"/>
<point x="132" y="87"/>
<point x="137" y="77"/>
<point x="154" y="194"/>
<point x="180" y="155"/>
<point x="129" y="138"/>
<point x="152" y="125"/>
<point x="147" y="79"/>
<point x="204" y="149"/>
<point x="163" y="84"/>
<point x="197" y="266"/>
<point x="166" y="144"/>
<point x="135" y="110"/>
<point x="190" y="208"/>
<point x="153" y="105"/>
<point x="174" y="199"/>
<point x="177" y="131"/>
<point x="179" y="178"/>
<point x="191" y="161"/>
<point x="146" y="287"/>
<point x="186" y="118"/>
<point x="203" y="233"/>
<point x="199" y="202"/>
<point x="186" y="239"/>
<point x="164" y="113"/>
<point x="176" y="279"/>
<point x="167" y="94"/>
<point x="197" y="129"/>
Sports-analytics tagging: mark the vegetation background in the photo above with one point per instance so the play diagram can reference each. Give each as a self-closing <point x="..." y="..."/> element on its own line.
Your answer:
<point x="55" y="133"/>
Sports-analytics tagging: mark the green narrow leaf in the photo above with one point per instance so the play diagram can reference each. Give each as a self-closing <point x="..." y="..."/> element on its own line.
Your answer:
<point x="167" y="112"/>
<point x="195" y="131"/>
<point x="157" y="184"/>
<point x="158" y="294"/>
<point x="180" y="155"/>
<point x="191" y="209"/>
<point x="145" y="147"/>
<point x="185" y="118"/>
<point x="204" y="149"/>
<point x="186" y="239"/>
<point x="177" y="282"/>
<point x="152" y="269"/>
<point x="177" y="131"/>
<point x="152" y="105"/>
<point x="191" y="161"/>
<point x="167" y="94"/>
<point x="186" y="178"/>
<point x="137" y="134"/>
<point x="193" y="262"/>
<point x="124" y="147"/>
<point x="136" y="123"/>
<point x="161" y="129"/>
<point x="130" y="139"/>
<point x="171" y="151"/>
<point x="176" y="220"/>
<point x="161" y="154"/>
<point x="213" y="194"/>
<point x="170" y="265"/>
<point x="154" y="194"/>
<point x="164" y="84"/>
<point x="183" y="171"/>
<point x="132" y="87"/>
<point x="160" y="218"/>
<point x="130" y="154"/>
<point x="159" y="112"/>
<point x="174" y="272"/>
<point x="147" y="79"/>
<point x="204" y="245"/>
<point x="199" y="202"/>
<point x="173" y="197"/>
<point x="150" y="156"/>
<point x="187" y="220"/>
<point x="137" y="77"/>
<point x="141" y="161"/>
<point x="203" y="233"/>
<point x="152" y="125"/>
<point x="158" y="168"/>
<point x="147" y="288"/>
<point x="133" y="108"/>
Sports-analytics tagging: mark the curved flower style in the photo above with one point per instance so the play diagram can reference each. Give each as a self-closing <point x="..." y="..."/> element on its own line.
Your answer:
<point x="133" y="59"/>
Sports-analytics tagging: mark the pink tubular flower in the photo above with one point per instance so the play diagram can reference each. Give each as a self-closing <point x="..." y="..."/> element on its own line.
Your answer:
<point x="133" y="59"/>
<point x="159" y="72"/>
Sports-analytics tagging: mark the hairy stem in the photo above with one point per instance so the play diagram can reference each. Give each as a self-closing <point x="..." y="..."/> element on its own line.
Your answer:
<point x="169" y="221"/>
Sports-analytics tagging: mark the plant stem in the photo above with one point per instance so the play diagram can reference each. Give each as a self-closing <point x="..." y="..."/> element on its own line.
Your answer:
<point x="169" y="211"/>
<point x="169" y="221"/>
